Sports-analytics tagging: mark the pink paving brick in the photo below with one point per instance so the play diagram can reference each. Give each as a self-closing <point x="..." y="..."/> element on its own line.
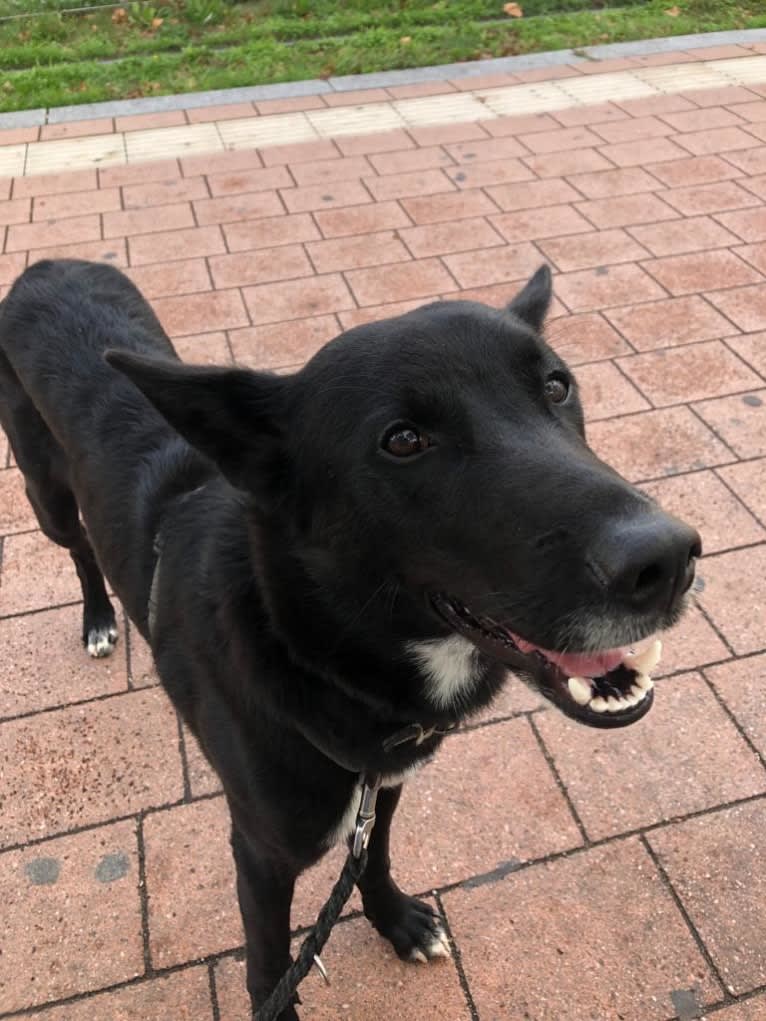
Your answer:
<point x="53" y="232"/>
<point x="684" y="274"/>
<point x="589" y="290"/>
<point x="195" y="242"/>
<point x="229" y="208"/>
<point x="482" y="150"/>
<point x="442" y="238"/>
<point x="630" y="129"/>
<point x="36" y="574"/>
<point x="184" y="995"/>
<point x="50" y="667"/>
<point x="361" y="219"/>
<point x="626" y="210"/>
<point x="492" y="172"/>
<point x="739" y="684"/>
<point x="676" y="237"/>
<point x="220" y="112"/>
<point x="138" y="173"/>
<point x="744" y="306"/>
<point x="148" y="221"/>
<point x="575" y="161"/>
<point x="605" y="392"/>
<point x="161" y="193"/>
<point x="594" y="921"/>
<point x="610" y="183"/>
<point x="692" y="643"/>
<point x="584" y="251"/>
<point x="669" y="322"/>
<point x="199" y="313"/>
<point x="148" y="121"/>
<point x="251" y="180"/>
<point x="657" y="443"/>
<point x="695" y="775"/>
<point x="584" y="338"/>
<point x="734" y="594"/>
<point x="533" y="224"/>
<point x="15" y="211"/>
<point x="113" y="250"/>
<point x="204" y="348"/>
<point x="298" y="299"/>
<point x="56" y="207"/>
<point x="221" y="162"/>
<point x="560" y="140"/>
<point x="77" y="129"/>
<point x="748" y="481"/>
<point x="596" y="113"/>
<point x="55" y="184"/>
<point x="702" y="499"/>
<point x="368" y="981"/>
<point x="11" y="266"/>
<point x="438" y="208"/>
<point x="350" y="168"/>
<point x="16" y="514"/>
<point x="270" y="232"/>
<point x="511" y="262"/>
<point x="425" y="278"/>
<point x="298" y="152"/>
<point x="689" y="372"/>
<point x="352" y="253"/>
<point x="325" y="196"/>
<point x="290" y="105"/>
<point x="632" y="154"/>
<point x="693" y="171"/>
<point x="435" y="803"/>
<point x="442" y="134"/>
<point x="282" y="344"/>
<point x="93" y="761"/>
<point x="186" y="276"/>
<point x="706" y="861"/>
<point x="284" y="263"/>
<point x="702" y="120"/>
<point x="64" y="902"/>
<point x="716" y="140"/>
<point x="417" y="182"/>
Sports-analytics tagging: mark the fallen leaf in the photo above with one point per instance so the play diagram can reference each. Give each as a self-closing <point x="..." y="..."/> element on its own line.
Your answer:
<point x="406" y="40"/>
<point x="513" y="10"/>
<point x="119" y="16"/>
<point x="673" y="12"/>
<point x="156" y="22"/>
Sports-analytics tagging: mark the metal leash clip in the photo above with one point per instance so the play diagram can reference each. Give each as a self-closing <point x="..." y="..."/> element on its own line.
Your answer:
<point x="365" y="818"/>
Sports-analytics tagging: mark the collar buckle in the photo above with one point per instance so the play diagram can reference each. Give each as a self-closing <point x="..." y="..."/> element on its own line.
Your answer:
<point x="365" y="818"/>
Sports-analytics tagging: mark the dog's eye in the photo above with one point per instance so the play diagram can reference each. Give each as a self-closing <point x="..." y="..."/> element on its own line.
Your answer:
<point x="557" y="388"/>
<point x="404" y="441"/>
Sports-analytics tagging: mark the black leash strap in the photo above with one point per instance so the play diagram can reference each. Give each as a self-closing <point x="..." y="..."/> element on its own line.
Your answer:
<point x="284" y="992"/>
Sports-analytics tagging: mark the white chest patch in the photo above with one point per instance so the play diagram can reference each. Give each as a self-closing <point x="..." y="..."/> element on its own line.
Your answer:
<point x="451" y="668"/>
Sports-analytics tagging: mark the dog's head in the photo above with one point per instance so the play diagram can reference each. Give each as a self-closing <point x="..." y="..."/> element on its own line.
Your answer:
<point x="430" y="475"/>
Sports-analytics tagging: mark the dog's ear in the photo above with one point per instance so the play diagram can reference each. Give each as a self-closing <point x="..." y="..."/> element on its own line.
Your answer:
<point x="533" y="301"/>
<point x="233" y="416"/>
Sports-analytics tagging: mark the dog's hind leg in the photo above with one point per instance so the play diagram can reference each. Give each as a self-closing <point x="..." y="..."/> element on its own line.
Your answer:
<point x="265" y="891"/>
<point x="412" y="927"/>
<point x="43" y="464"/>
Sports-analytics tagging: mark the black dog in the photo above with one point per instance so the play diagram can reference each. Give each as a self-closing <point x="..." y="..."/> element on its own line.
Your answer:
<point x="335" y="567"/>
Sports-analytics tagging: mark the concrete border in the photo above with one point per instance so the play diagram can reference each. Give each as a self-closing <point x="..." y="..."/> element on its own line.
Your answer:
<point x="381" y="79"/>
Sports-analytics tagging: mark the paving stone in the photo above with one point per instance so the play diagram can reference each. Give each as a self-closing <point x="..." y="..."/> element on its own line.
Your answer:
<point x="740" y="421"/>
<point x="671" y="321"/>
<point x="734" y="596"/>
<point x="45" y="664"/>
<point x="715" y="866"/>
<point x="602" y="922"/>
<point x="693" y="776"/>
<point x="71" y="919"/>
<point x="691" y="372"/>
<point x="88" y="763"/>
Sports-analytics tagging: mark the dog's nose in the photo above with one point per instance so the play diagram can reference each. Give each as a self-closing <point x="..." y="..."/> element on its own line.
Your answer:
<point x="646" y="562"/>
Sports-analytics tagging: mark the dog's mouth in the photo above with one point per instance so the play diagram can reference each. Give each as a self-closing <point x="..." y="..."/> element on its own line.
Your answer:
<point x="609" y="688"/>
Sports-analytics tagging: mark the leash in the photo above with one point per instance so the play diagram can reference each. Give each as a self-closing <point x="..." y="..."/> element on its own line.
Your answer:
<point x="284" y="993"/>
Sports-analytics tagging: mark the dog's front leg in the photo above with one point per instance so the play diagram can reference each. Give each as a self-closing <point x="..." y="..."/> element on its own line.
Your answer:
<point x="265" y="891"/>
<point x="413" y="928"/>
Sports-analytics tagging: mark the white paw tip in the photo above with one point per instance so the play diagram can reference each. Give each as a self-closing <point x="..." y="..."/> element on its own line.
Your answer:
<point x="439" y="947"/>
<point x="101" y="642"/>
<point x="417" y="956"/>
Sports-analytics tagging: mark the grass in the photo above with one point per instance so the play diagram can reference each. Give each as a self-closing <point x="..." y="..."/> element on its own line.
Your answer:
<point x="152" y="48"/>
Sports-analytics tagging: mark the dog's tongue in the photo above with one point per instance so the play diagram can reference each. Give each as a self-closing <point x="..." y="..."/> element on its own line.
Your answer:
<point x="575" y="664"/>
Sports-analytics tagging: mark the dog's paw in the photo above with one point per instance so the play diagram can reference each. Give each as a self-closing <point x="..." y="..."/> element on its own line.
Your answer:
<point x="415" y="931"/>
<point x="100" y="641"/>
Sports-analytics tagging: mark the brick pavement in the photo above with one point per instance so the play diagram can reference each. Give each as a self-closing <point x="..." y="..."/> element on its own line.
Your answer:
<point x="583" y="876"/>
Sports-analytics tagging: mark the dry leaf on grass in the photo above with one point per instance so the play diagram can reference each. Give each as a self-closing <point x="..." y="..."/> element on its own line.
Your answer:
<point x="673" y="12"/>
<point x="156" y="22"/>
<point x="513" y="10"/>
<point x="119" y="16"/>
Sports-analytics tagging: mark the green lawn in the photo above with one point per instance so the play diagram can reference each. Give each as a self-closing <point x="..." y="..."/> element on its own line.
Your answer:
<point x="148" y="48"/>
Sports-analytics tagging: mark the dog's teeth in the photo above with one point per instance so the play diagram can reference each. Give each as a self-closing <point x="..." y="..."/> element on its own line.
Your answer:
<point x="645" y="661"/>
<point x="636" y="693"/>
<point x="643" y="682"/>
<point x="580" y="690"/>
<point x="614" y="704"/>
<point x="598" y="703"/>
